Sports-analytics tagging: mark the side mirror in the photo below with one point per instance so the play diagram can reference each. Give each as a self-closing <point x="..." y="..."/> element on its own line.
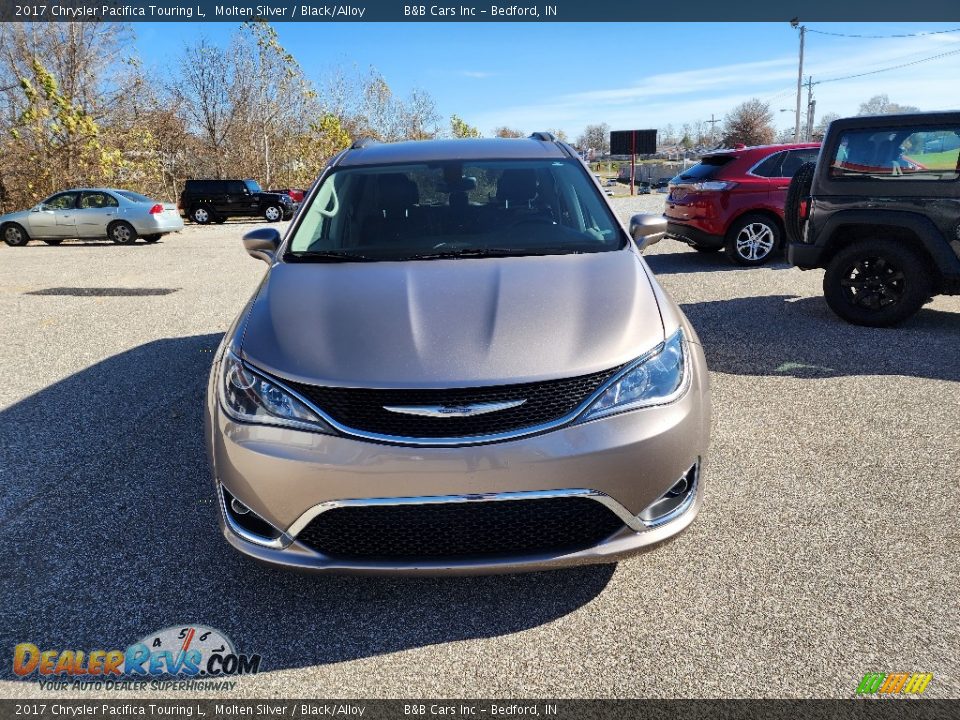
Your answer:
<point x="262" y="243"/>
<point x="37" y="208"/>
<point x="647" y="229"/>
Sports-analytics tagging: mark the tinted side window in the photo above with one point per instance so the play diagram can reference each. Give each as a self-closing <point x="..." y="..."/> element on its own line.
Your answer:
<point x="795" y="159"/>
<point x="771" y="167"/>
<point x="235" y="187"/>
<point x="63" y="201"/>
<point x="97" y="200"/>
<point x="909" y="153"/>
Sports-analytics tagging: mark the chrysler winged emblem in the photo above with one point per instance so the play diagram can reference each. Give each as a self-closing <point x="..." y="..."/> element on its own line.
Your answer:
<point x="453" y="411"/>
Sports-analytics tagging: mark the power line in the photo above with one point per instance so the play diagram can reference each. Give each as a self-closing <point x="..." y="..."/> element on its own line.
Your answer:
<point x="881" y="37"/>
<point x="895" y="67"/>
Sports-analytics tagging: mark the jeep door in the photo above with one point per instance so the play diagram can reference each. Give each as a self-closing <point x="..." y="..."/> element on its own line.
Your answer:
<point x="240" y="200"/>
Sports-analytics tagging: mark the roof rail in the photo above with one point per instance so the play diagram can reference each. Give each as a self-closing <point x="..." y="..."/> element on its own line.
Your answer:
<point x="542" y="136"/>
<point x="363" y="142"/>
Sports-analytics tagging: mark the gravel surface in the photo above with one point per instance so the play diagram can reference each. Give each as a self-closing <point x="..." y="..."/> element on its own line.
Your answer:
<point x="827" y="545"/>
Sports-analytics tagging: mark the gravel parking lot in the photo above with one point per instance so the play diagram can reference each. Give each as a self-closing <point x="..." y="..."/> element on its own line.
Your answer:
<point x="827" y="546"/>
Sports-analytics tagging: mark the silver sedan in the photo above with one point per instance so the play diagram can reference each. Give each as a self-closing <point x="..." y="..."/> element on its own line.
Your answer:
<point x="92" y="213"/>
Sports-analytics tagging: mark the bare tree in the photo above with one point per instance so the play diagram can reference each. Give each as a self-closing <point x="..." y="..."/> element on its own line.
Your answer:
<point x="750" y="123"/>
<point x="820" y="129"/>
<point x="421" y="119"/>
<point x="881" y="105"/>
<point x="507" y="132"/>
<point x="595" y="137"/>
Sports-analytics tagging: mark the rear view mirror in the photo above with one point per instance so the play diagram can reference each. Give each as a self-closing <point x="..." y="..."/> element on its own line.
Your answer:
<point x="262" y="243"/>
<point x="647" y="229"/>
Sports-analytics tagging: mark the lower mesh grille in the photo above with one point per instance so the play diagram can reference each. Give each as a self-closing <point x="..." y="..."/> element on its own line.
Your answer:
<point x="446" y="531"/>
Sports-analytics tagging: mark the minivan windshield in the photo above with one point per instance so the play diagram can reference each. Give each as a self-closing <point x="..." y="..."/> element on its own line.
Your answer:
<point x="455" y="208"/>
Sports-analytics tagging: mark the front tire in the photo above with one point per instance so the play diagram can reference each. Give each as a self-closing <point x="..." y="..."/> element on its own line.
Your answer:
<point x="273" y="213"/>
<point x="122" y="233"/>
<point x="877" y="283"/>
<point x="752" y="240"/>
<point x="151" y="238"/>
<point x="200" y="215"/>
<point x="53" y="241"/>
<point x="15" y="236"/>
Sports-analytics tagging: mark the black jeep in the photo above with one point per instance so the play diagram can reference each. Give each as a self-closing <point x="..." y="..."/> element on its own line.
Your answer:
<point x="880" y="211"/>
<point x="205" y="201"/>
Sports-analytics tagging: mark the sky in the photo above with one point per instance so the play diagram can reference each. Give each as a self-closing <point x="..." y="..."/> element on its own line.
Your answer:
<point x="537" y="76"/>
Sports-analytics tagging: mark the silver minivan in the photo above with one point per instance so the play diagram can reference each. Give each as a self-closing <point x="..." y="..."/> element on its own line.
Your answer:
<point x="457" y="361"/>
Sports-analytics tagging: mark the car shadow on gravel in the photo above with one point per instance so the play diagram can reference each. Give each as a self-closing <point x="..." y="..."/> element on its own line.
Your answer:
<point x="691" y="261"/>
<point x="789" y="336"/>
<point x="109" y="531"/>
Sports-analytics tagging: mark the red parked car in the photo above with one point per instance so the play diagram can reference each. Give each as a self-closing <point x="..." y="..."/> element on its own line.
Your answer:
<point x="733" y="200"/>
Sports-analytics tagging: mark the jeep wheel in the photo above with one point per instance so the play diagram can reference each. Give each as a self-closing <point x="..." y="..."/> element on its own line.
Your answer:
<point x="200" y="215"/>
<point x="798" y="192"/>
<point x="272" y="213"/>
<point x="752" y="240"/>
<point x="878" y="283"/>
<point x="15" y="236"/>
<point x="122" y="233"/>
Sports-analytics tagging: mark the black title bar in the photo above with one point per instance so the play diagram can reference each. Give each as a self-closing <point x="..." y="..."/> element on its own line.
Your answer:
<point x="453" y="11"/>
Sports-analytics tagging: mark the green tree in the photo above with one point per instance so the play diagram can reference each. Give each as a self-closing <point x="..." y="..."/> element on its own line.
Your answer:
<point x="460" y="129"/>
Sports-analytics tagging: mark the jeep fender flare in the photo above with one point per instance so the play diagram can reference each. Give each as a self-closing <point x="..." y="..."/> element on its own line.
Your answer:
<point x="932" y="240"/>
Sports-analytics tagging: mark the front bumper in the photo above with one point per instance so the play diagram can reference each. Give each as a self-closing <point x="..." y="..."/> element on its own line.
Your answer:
<point x="625" y="461"/>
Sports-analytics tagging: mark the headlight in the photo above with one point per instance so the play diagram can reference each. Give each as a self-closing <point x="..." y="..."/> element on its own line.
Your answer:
<point x="249" y="397"/>
<point x="654" y="380"/>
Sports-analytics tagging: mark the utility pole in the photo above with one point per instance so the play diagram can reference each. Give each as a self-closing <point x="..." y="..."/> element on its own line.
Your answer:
<point x="712" y="123"/>
<point x="811" y="109"/>
<point x="795" y="23"/>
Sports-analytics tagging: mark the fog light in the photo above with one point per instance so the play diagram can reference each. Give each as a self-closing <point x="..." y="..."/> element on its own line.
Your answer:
<point x="674" y="502"/>
<point x="246" y="523"/>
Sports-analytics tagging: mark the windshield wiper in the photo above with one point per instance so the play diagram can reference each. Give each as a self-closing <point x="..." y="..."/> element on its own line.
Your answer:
<point x="327" y="256"/>
<point x="474" y="253"/>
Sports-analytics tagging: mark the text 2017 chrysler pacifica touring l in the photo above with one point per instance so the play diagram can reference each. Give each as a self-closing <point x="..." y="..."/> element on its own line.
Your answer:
<point x="457" y="361"/>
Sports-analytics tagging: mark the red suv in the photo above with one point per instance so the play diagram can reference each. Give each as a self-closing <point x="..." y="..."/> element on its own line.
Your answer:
<point x="733" y="200"/>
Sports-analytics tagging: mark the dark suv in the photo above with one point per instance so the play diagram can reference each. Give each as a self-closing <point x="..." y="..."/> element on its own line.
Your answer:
<point x="205" y="201"/>
<point x="880" y="211"/>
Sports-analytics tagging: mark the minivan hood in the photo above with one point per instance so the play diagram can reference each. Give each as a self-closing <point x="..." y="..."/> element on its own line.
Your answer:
<point x="452" y="322"/>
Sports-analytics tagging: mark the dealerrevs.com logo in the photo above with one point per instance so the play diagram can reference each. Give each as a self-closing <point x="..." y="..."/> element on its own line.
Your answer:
<point x="189" y="657"/>
<point x="894" y="683"/>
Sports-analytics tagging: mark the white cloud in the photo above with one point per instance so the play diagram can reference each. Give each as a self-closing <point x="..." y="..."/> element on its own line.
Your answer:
<point x="689" y="95"/>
